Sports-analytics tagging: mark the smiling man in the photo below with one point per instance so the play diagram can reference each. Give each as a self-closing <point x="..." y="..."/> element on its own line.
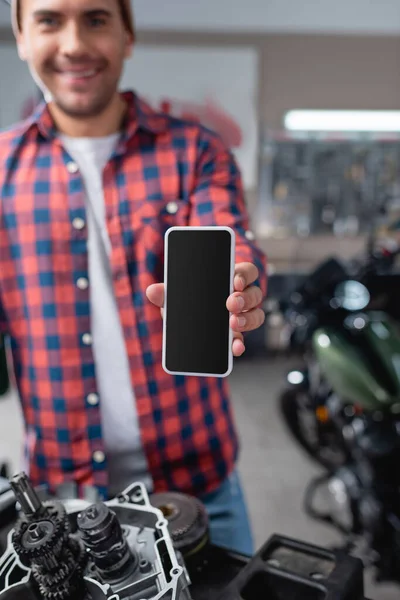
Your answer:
<point x="88" y="187"/>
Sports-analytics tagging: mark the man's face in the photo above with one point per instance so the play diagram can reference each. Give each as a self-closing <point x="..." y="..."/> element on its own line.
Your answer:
<point x="77" y="49"/>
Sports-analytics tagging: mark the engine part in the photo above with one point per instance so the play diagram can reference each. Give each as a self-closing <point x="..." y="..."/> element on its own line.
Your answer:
<point x="285" y="568"/>
<point x="187" y="521"/>
<point x="106" y="543"/>
<point x="131" y="556"/>
<point x="116" y="550"/>
<point x="26" y="496"/>
<point x="7" y="510"/>
<point x="42" y="542"/>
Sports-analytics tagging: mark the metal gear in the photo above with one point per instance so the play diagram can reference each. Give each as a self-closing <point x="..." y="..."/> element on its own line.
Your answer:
<point x="187" y="520"/>
<point x="47" y="580"/>
<point x="67" y="581"/>
<point x="39" y="541"/>
<point x="63" y="591"/>
<point x="57" y="560"/>
<point x="40" y="538"/>
<point x="57" y="512"/>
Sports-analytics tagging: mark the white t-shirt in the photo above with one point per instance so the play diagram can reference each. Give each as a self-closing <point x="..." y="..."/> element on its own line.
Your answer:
<point x="121" y="433"/>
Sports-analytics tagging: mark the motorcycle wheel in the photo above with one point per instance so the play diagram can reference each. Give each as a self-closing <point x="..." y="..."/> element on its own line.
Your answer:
<point x="330" y="455"/>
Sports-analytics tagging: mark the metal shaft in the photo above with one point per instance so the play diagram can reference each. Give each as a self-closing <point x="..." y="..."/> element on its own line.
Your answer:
<point x="26" y="496"/>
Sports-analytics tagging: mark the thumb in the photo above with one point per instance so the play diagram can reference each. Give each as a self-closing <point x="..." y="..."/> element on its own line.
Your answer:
<point x="155" y="293"/>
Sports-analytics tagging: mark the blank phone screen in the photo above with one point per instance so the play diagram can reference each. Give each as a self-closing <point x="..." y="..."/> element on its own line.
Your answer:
<point x="198" y="286"/>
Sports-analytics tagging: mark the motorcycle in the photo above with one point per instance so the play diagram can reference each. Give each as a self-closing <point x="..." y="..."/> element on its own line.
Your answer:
<point x="343" y="404"/>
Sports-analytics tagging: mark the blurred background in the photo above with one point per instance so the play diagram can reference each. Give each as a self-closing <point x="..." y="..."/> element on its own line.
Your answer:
<point x="307" y="96"/>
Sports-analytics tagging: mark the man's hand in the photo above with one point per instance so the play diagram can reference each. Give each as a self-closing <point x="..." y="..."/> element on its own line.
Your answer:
<point x="244" y="303"/>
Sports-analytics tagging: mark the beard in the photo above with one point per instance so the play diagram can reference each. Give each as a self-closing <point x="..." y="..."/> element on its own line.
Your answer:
<point x="87" y="109"/>
<point x="74" y="107"/>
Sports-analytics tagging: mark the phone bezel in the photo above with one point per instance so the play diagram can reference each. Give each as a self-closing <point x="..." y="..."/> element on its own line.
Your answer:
<point x="232" y="275"/>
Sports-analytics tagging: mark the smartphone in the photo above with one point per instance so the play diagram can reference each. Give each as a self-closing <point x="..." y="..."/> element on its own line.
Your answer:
<point x="198" y="276"/>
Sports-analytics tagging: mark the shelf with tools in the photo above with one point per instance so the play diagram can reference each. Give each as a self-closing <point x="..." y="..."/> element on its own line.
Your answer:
<point x="323" y="184"/>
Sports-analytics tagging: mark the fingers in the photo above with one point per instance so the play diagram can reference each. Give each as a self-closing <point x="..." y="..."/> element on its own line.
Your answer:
<point x="245" y="274"/>
<point x="238" y="346"/>
<point x="155" y="293"/>
<point x="246" y="300"/>
<point x="245" y="317"/>
<point x="247" y="321"/>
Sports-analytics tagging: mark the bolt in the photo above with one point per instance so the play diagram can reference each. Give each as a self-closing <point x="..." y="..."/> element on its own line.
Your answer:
<point x="92" y="512"/>
<point x="144" y="566"/>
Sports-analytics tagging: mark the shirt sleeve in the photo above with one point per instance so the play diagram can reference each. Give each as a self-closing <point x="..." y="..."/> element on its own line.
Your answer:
<point x="218" y="199"/>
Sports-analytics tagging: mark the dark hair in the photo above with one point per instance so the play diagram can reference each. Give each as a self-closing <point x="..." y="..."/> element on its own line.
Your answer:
<point x="127" y="16"/>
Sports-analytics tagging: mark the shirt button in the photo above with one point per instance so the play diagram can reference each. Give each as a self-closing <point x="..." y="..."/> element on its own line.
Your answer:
<point x="78" y="223"/>
<point x="82" y="283"/>
<point x="250" y="235"/>
<point x="172" y="208"/>
<point x="87" y="339"/>
<point x="72" y="167"/>
<point x="99" y="457"/>
<point x="93" y="399"/>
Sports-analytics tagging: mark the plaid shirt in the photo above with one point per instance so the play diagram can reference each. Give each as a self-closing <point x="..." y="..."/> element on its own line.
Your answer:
<point x="164" y="172"/>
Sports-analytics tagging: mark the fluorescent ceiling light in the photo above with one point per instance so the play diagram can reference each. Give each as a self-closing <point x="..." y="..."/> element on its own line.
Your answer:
<point x="383" y="121"/>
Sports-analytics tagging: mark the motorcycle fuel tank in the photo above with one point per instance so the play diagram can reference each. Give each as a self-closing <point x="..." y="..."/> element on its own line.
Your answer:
<point x="362" y="361"/>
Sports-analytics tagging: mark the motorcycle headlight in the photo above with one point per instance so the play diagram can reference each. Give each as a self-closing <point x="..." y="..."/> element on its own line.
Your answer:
<point x="352" y="295"/>
<point x="295" y="377"/>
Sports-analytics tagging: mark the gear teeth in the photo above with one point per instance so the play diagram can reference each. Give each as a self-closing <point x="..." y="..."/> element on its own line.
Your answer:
<point x="57" y="512"/>
<point x="182" y="531"/>
<point x="40" y="553"/>
<point x="57" y="560"/>
<point x="58" y="585"/>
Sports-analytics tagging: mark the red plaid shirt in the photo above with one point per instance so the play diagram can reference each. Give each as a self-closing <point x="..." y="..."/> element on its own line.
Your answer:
<point x="186" y="424"/>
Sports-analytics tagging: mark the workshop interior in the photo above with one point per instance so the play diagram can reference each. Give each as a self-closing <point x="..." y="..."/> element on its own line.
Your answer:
<point x="307" y="98"/>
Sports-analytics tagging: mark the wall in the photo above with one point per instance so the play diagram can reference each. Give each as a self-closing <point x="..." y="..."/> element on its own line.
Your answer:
<point x="311" y="71"/>
<point x="329" y="72"/>
<point x="339" y="16"/>
<point x="323" y="16"/>
<point x="16" y="84"/>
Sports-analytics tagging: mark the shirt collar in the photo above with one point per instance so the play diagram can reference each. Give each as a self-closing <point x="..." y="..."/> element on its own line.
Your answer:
<point x="139" y="115"/>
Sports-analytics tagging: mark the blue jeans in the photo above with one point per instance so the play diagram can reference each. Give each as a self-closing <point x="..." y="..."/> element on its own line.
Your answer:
<point x="229" y="520"/>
